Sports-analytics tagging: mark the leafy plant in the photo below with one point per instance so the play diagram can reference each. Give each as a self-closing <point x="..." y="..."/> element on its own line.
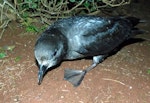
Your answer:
<point x="29" y="12"/>
<point x="29" y="24"/>
<point x="28" y="4"/>
<point x="3" y="50"/>
<point x="2" y="55"/>
<point x="148" y="71"/>
<point x="18" y="58"/>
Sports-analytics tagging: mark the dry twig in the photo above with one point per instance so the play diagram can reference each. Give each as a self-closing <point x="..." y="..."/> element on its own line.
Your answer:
<point x="47" y="10"/>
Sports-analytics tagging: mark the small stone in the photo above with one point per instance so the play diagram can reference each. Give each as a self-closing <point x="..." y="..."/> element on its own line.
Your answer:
<point x="62" y="97"/>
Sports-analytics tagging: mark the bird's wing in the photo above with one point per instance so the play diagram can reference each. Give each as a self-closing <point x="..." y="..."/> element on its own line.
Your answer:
<point x="93" y="35"/>
<point x="100" y="37"/>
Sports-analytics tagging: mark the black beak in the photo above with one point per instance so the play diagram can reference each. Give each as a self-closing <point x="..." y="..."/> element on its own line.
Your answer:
<point x="41" y="73"/>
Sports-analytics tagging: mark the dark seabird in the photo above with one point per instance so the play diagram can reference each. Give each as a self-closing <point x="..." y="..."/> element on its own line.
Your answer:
<point x="79" y="37"/>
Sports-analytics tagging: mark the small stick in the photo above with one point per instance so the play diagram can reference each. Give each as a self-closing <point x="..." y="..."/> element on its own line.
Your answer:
<point x="130" y="87"/>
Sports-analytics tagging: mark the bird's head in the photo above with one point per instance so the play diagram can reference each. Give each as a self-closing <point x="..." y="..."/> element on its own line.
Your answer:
<point x="48" y="53"/>
<point x="46" y="61"/>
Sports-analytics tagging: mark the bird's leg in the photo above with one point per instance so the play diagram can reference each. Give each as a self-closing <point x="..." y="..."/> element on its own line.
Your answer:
<point x="75" y="77"/>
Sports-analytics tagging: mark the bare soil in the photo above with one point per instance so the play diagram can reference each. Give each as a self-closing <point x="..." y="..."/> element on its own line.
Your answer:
<point x="121" y="78"/>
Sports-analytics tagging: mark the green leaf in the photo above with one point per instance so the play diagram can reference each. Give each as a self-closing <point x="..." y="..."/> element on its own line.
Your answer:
<point x="25" y="15"/>
<point x="31" y="28"/>
<point x="2" y="55"/>
<point x="18" y="58"/>
<point x="72" y="0"/>
<point x="26" y="1"/>
<point x="86" y="4"/>
<point x="34" y="6"/>
<point x="148" y="71"/>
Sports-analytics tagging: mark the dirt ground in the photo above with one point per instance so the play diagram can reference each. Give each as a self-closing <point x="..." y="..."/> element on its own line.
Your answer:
<point x="121" y="78"/>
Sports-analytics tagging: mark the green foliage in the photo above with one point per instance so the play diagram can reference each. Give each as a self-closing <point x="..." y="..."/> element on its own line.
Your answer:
<point x="29" y="4"/>
<point x="5" y="49"/>
<point x="18" y="58"/>
<point x="28" y="12"/>
<point x="89" y="4"/>
<point x="28" y="22"/>
<point x="72" y="1"/>
<point x="148" y="71"/>
<point x="2" y="55"/>
<point x="33" y="28"/>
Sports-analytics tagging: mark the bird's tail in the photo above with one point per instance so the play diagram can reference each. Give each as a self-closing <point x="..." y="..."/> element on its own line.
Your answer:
<point x="135" y="21"/>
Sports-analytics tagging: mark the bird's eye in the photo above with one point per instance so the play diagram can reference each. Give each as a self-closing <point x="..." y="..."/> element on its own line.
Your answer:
<point x="55" y="53"/>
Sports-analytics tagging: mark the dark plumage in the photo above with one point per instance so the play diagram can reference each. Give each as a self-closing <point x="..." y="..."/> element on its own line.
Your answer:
<point x="79" y="37"/>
